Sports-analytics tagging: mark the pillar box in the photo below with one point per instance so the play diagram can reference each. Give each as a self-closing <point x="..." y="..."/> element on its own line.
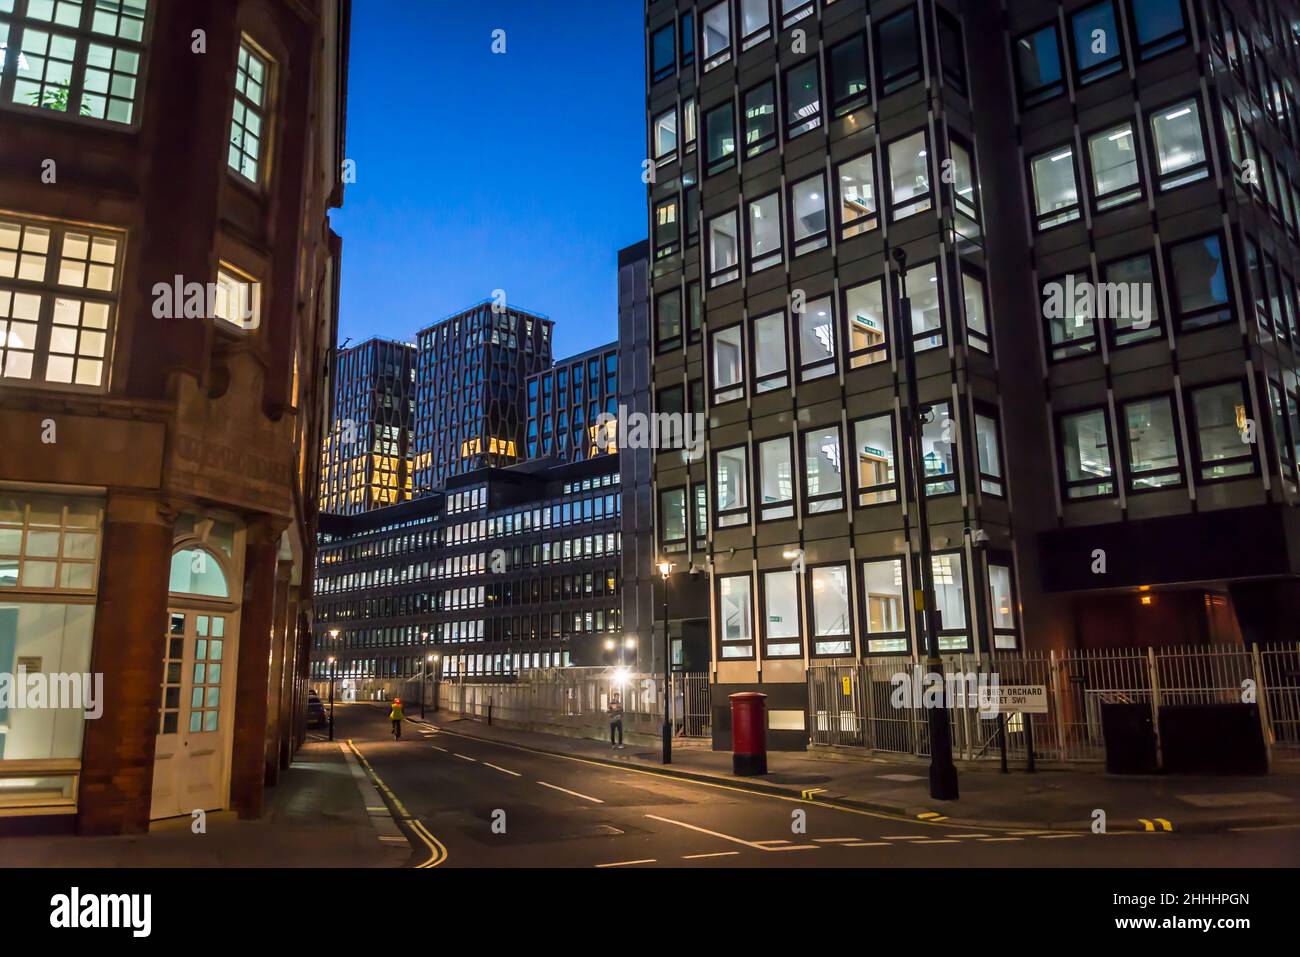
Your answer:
<point x="749" y="733"/>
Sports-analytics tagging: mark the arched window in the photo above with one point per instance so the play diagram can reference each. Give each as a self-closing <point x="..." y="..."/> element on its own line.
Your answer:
<point x="196" y="571"/>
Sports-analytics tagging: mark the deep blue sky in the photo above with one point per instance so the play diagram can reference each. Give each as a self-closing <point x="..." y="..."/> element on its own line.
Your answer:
<point x="478" y="171"/>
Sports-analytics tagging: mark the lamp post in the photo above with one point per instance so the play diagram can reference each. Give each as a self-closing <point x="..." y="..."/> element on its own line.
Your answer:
<point x="425" y="676"/>
<point x="666" y="569"/>
<point x="437" y="681"/>
<point x="331" y="698"/>
<point x="943" y="774"/>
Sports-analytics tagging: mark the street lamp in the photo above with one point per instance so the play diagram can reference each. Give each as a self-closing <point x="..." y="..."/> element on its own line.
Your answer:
<point x="943" y="773"/>
<point x="428" y="668"/>
<point x="331" y="663"/>
<point x="437" y="681"/>
<point x="666" y="569"/>
<point x="629" y="642"/>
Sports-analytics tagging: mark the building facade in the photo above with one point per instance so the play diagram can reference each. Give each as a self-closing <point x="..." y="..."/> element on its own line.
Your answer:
<point x="470" y="375"/>
<point x="570" y="406"/>
<point x="1115" y="468"/>
<point x="168" y="291"/>
<point x="367" y="457"/>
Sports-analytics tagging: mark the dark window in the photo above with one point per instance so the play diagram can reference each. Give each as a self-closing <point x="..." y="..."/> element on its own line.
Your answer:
<point x="695" y="307"/>
<point x="760" y="118"/>
<point x="1221" y="440"/>
<point x="1098" y="47"/>
<point x="1132" y="303"/>
<point x="951" y="53"/>
<point x="720" y="138"/>
<point x="1086" y="464"/>
<point x="803" y="100"/>
<point x="688" y="39"/>
<point x="849" y="87"/>
<point x="898" y="49"/>
<point x="1198" y="273"/>
<point x="668" y="319"/>
<point x="663" y="49"/>
<point x="1160" y="26"/>
<point x="691" y="210"/>
<point x="1038" y="66"/>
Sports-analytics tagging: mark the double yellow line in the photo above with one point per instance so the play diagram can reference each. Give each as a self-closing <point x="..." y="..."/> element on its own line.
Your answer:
<point x="437" y="852"/>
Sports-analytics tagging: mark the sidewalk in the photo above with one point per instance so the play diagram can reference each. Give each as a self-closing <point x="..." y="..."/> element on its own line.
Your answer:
<point x="1046" y="800"/>
<point x="316" y="816"/>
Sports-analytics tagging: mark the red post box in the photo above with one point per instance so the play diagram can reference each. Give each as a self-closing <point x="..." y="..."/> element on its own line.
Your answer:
<point x="749" y="733"/>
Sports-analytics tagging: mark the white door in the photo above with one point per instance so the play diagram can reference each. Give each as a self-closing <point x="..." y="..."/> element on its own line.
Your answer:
<point x="192" y="756"/>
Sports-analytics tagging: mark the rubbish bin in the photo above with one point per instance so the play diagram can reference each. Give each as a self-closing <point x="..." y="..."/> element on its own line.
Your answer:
<point x="748" y="733"/>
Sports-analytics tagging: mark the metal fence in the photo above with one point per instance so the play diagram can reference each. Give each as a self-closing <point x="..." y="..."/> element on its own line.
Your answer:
<point x="576" y="701"/>
<point x="874" y="704"/>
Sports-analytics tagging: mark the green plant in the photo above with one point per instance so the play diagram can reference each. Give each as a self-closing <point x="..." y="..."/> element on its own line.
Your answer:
<point x="56" y="99"/>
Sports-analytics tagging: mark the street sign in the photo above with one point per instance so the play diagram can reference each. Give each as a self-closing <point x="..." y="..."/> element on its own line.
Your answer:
<point x="1009" y="699"/>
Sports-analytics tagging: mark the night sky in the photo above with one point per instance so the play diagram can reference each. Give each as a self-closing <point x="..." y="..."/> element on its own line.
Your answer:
<point x="478" y="171"/>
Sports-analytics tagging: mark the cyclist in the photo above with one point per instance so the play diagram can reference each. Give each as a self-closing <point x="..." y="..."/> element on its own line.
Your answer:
<point x="396" y="717"/>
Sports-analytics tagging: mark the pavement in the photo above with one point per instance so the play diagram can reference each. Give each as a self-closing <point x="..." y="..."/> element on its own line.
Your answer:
<point x="1052" y="799"/>
<point x="324" y="812"/>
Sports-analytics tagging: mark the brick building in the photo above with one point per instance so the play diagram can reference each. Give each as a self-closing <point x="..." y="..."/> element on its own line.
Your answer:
<point x="168" y="308"/>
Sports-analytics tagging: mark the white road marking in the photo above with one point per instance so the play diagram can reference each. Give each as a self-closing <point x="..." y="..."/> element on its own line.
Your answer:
<point x="903" y="837"/>
<point x="833" y="840"/>
<point x="966" y="835"/>
<point x="464" y="757"/>
<point x="919" y="843"/>
<point x="1056" y="837"/>
<point x="759" y="845"/>
<point x="502" y="770"/>
<point x="870" y="844"/>
<point x="766" y="843"/>
<point x="648" y="860"/>
<point x="992" y="840"/>
<point x="696" y="857"/>
<point x="1267" y="827"/>
<point x="585" y="797"/>
<point x="436" y="748"/>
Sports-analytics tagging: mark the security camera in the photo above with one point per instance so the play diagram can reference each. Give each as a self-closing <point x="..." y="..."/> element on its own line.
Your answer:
<point x="978" y="537"/>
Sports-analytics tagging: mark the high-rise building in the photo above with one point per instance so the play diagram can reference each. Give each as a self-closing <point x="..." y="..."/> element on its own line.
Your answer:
<point x="1097" y="206"/>
<point x="570" y="406"/>
<point x="367" y="456"/>
<point x="470" y="375"/>
<point x="168" y="312"/>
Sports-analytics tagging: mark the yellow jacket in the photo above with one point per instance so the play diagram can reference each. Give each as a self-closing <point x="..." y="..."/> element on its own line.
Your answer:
<point x="396" y="713"/>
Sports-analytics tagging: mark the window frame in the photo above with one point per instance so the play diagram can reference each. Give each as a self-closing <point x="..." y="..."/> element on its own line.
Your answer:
<point x="721" y="56"/>
<point x="814" y="639"/>
<point x="764" y="640"/>
<point x="1199" y="465"/>
<point x="809" y="501"/>
<point x="672" y="200"/>
<point x="718" y="513"/>
<point x="739" y="387"/>
<point x="889" y="85"/>
<point x="720" y="276"/>
<point x="663" y="73"/>
<point x="768" y="260"/>
<point x="890" y="489"/>
<point x="673" y="545"/>
<point x="1115" y="198"/>
<point x="793" y="127"/>
<point x="842" y="107"/>
<point x="981" y="341"/>
<point x="755" y="37"/>
<point x="971" y="626"/>
<point x="1041" y="94"/>
<point x="870" y="221"/>
<point x="721" y="643"/>
<point x="923" y="202"/>
<point x="790" y="504"/>
<point x="1184" y="175"/>
<point x="713" y="167"/>
<point x="1180" y="469"/>
<point x="828" y="364"/>
<point x="769" y="140"/>
<point x="670" y="343"/>
<point x="879" y="352"/>
<point x="1165" y="43"/>
<point x="1192" y="322"/>
<point x="991" y="413"/>
<point x="813" y="241"/>
<point x="1062" y="216"/>
<point x="266" y="112"/>
<point x="780" y="380"/>
<point x="906" y="617"/>
<point x="1117" y="63"/>
<point x="1156" y="330"/>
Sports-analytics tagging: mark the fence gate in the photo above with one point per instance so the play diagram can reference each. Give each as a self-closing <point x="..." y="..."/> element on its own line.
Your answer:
<point x="692" y="704"/>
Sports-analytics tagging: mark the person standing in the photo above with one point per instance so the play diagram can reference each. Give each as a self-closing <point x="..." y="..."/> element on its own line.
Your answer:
<point x="616" y="720"/>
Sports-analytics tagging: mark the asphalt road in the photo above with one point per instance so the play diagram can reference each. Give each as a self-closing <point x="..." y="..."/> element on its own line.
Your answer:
<point x="488" y="804"/>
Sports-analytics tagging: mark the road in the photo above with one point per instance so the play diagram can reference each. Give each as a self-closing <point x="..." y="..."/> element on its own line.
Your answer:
<point x="491" y="804"/>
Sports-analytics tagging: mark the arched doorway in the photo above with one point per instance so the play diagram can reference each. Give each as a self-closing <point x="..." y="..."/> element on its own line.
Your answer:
<point x="196" y="716"/>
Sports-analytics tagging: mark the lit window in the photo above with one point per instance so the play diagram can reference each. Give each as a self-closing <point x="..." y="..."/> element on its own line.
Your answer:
<point x="976" y="304"/>
<point x="1113" y="155"/>
<point x="765" y="232"/>
<point x="1003" y="606"/>
<point x="927" y="306"/>
<point x="668" y="319"/>
<point x="667" y="230"/>
<point x="1179" y="148"/>
<point x="793" y="11"/>
<point x="856" y="182"/>
<point x="248" y="117"/>
<point x="672" y="515"/>
<point x="831" y="628"/>
<point x="781" y="614"/>
<point x="1223" y="437"/>
<point x="688" y="124"/>
<point x="1071" y="328"/>
<point x="755" y="22"/>
<point x="728" y="365"/>
<point x="1038" y="66"/>
<point x="949" y="577"/>
<point x="731" y="485"/>
<point x="665" y="137"/>
<point x="808" y="214"/>
<point x="873" y="446"/>
<point x="735" y="617"/>
<point x="823" y="470"/>
<point x="716" y="44"/>
<point x="1098" y="48"/>
<point x="816" y="340"/>
<point x="990" y="455"/>
<point x="1056" y="194"/>
<point x="75" y="55"/>
<point x="775" y="479"/>
<point x="803" y="99"/>
<point x="939" y="451"/>
<point x="724" y="249"/>
<point x="770" y="364"/>
<point x="1152" y="444"/>
<point x="864" y="313"/>
<point x="1133" y="306"/>
<point x="909" y="176"/>
<point x="59" y="288"/>
<point x="239" y="299"/>
<point x="760" y="119"/>
<point x="886" y="606"/>
<point x="1283" y="445"/>
<point x="964" y="193"/>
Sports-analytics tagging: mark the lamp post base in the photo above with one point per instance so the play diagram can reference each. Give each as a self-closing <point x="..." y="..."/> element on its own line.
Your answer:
<point x="943" y="773"/>
<point x="668" y="743"/>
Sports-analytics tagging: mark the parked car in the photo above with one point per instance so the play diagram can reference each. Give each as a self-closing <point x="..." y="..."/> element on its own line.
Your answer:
<point x="315" y="711"/>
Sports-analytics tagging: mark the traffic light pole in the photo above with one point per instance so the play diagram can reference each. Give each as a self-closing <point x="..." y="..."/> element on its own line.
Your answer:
<point x="943" y="773"/>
